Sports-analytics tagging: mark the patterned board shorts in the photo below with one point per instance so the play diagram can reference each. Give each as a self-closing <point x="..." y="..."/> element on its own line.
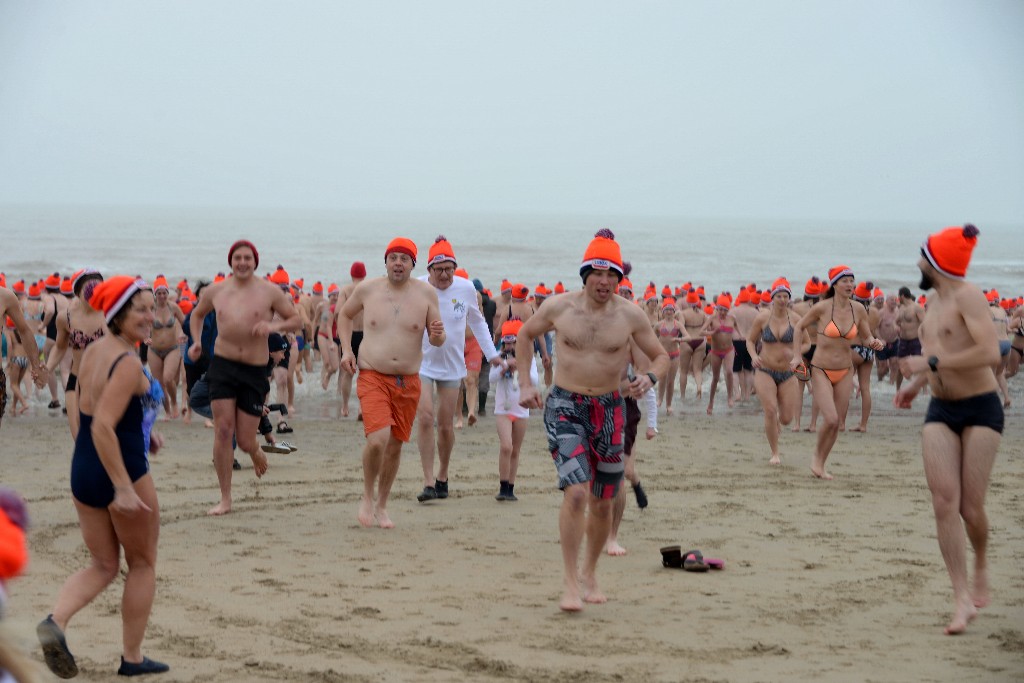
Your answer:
<point x="585" y="439"/>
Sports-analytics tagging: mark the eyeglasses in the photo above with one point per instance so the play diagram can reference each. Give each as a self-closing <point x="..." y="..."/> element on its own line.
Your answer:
<point x="447" y="270"/>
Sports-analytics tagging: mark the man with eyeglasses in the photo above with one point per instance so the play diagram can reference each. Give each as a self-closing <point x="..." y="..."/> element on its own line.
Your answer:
<point x="444" y="367"/>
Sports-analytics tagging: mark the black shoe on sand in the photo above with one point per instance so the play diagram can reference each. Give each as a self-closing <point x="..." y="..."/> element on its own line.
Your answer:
<point x="55" y="649"/>
<point x="146" y="666"/>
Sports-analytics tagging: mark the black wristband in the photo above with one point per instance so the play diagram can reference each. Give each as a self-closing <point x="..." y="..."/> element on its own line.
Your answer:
<point x="933" y="363"/>
<point x="654" y="378"/>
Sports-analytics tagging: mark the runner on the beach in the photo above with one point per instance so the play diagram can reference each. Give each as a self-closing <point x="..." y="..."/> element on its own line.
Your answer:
<point x="964" y="421"/>
<point x="398" y="311"/>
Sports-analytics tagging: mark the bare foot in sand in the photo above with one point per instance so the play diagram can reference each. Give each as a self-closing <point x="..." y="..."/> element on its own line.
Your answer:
<point x="472" y="419"/>
<point x="208" y="424"/>
<point x="821" y="474"/>
<point x="591" y="592"/>
<point x="383" y="521"/>
<point x="775" y="460"/>
<point x="222" y="508"/>
<point x="811" y="429"/>
<point x="259" y="462"/>
<point x="614" y="549"/>
<point x="366" y="512"/>
<point x="860" y="428"/>
<point x="458" y="423"/>
<point x="711" y="408"/>
<point x="669" y="411"/>
<point x="980" y="593"/>
<point x="965" y="613"/>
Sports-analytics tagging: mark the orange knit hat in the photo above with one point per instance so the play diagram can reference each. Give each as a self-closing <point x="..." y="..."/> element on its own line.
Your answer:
<point x="541" y="292"/>
<point x="13" y="551"/>
<point x="863" y="291"/>
<point x="877" y="294"/>
<point x="53" y="282"/>
<point x="602" y="253"/>
<point x="35" y="291"/>
<point x="441" y="250"/>
<point x="626" y="285"/>
<point x="520" y="292"/>
<point x="280" y="276"/>
<point x="780" y="285"/>
<point x="668" y="303"/>
<point x="666" y="292"/>
<point x="318" y="287"/>
<point x="79" y="278"/>
<point x="723" y="301"/>
<point x="65" y="286"/>
<point x="838" y="272"/>
<point x="160" y="282"/>
<point x="510" y="329"/>
<point x="766" y="296"/>
<point x="692" y="298"/>
<point x="559" y="288"/>
<point x="743" y="297"/>
<point x="813" y="287"/>
<point x="462" y="272"/>
<point x="111" y="295"/>
<point x="401" y="245"/>
<point x="949" y="250"/>
<point x="506" y="287"/>
<point x="332" y="289"/>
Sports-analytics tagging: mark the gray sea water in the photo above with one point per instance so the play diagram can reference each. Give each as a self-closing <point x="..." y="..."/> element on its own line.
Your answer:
<point x="321" y="245"/>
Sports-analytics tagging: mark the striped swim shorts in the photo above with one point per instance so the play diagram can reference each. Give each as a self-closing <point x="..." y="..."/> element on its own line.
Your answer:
<point x="585" y="439"/>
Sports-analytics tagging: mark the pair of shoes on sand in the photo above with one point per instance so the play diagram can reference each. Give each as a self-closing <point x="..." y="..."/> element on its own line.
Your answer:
<point x="62" y="663"/>
<point x="438" y="490"/>
<point x="279" y="447"/>
<point x="691" y="560"/>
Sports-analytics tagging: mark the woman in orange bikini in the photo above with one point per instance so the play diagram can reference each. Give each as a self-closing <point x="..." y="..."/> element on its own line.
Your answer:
<point x="670" y="334"/>
<point x="692" y="352"/>
<point x="839" y="324"/>
<point x="777" y="387"/>
<point x="721" y="348"/>
<point x="80" y="326"/>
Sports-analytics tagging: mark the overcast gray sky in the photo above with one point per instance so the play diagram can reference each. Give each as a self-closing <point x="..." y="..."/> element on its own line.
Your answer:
<point x="859" y="110"/>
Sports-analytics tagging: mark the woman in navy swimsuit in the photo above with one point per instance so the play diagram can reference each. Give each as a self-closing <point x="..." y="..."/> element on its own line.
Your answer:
<point x="114" y="493"/>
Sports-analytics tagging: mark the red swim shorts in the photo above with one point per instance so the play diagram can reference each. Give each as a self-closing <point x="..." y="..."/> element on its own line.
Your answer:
<point x="388" y="401"/>
<point x="473" y="354"/>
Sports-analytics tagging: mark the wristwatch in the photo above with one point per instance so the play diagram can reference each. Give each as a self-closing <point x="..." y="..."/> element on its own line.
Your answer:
<point x="933" y="363"/>
<point x="654" y="378"/>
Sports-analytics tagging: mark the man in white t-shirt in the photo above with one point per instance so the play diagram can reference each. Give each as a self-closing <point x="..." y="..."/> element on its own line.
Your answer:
<point x="444" y="367"/>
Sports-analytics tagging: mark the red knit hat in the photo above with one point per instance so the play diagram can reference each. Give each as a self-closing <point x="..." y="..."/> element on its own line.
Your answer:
<point x="949" y="250"/>
<point x="35" y="291"/>
<point x="863" y="291"/>
<point x="244" y="243"/>
<point x="280" y="276"/>
<point x="743" y="297"/>
<point x="692" y="298"/>
<point x="766" y="296"/>
<point x="813" y="287"/>
<point x="401" y="245"/>
<point x="19" y="287"/>
<point x="510" y="329"/>
<point x="602" y="253"/>
<point x="65" y="286"/>
<point x="440" y="251"/>
<point x="506" y="286"/>
<point x="559" y="288"/>
<point x="185" y="305"/>
<point x="520" y="292"/>
<point x="318" y="287"/>
<point x="53" y="282"/>
<point x="838" y="272"/>
<point x="723" y="301"/>
<point x="780" y="285"/>
<point x="992" y="295"/>
<point x="160" y="282"/>
<point x="666" y="292"/>
<point x="111" y="295"/>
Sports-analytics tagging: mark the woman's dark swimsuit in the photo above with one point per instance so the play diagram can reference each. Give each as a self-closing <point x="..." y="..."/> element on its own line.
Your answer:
<point x="90" y="483"/>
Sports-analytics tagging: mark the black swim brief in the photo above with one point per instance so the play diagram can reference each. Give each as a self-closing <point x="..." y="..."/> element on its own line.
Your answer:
<point x="357" y="340"/>
<point x="908" y="347"/>
<point x="246" y="384"/>
<point x="984" y="410"/>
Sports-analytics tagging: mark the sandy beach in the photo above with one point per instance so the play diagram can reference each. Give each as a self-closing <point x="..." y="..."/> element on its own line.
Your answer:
<point x="835" y="581"/>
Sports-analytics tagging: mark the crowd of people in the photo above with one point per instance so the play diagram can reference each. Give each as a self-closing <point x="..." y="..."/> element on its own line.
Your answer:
<point x="418" y="347"/>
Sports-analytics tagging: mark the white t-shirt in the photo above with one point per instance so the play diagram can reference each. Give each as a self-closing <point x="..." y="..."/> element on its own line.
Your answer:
<point x="506" y="391"/>
<point x="458" y="307"/>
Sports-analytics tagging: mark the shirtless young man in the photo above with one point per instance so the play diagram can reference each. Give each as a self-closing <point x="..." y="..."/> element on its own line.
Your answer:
<point x="397" y="311"/>
<point x="889" y="332"/>
<point x="909" y="322"/>
<point x="584" y="408"/>
<point x="964" y="421"/>
<point x="741" y="319"/>
<point x="245" y="305"/>
<point x="444" y="366"/>
<point x="358" y="273"/>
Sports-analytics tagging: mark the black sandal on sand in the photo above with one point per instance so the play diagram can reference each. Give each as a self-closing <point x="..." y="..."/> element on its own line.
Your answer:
<point x="284" y="428"/>
<point x="693" y="561"/>
<point x="672" y="556"/>
<point x="55" y="649"/>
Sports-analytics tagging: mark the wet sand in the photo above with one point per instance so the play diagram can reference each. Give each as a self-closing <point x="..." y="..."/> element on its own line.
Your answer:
<point x="835" y="581"/>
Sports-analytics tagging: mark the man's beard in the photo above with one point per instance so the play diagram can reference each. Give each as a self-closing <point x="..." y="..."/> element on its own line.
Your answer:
<point x="926" y="282"/>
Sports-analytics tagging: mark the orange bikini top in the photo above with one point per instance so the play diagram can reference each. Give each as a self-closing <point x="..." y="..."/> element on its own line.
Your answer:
<point x="832" y="330"/>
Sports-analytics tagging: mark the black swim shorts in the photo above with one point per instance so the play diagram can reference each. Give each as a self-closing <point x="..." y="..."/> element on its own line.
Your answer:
<point x="984" y="410"/>
<point x="246" y="384"/>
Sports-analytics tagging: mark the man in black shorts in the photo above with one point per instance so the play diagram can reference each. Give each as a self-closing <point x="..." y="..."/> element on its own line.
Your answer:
<point x="965" y="416"/>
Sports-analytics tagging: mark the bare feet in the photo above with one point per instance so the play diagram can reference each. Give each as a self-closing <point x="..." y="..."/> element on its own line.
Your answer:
<point x="259" y="462"/>
<point x="711" y="408"/>
<point x="821" y="474"/>
<point x="775" y="460"/>
<point x="614" y="549"/>
<point x="860" y="428"/>
<point x="208" y="424"/>
<point x="383" y="521"/>
<point x="365" y="515"/>
<point x="965" y="613"/>
<point x="472" y="419"/>
<point x="222" y="508"/>
<point x="980" y="593"/>
<point x="458" y="423"/>
<point x="591" y="593"/>
<point x="668" y="410"/>
<point x="570" y="602"/>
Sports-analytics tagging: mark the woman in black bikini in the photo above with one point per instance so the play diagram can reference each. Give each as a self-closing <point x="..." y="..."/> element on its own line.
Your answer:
<point x="776" y="384"/>
<point x="831" y="365"/>
<point x="80" y="326"/>
<point x="693" y="351"/>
